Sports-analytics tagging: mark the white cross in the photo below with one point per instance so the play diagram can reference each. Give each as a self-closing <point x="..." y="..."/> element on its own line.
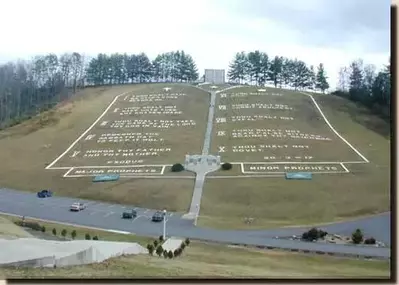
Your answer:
<point x="221" y="149"/>
<point x="167" y="88"/>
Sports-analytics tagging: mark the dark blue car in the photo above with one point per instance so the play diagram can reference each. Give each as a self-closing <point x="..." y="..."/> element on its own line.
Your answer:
<point x="44" y="194"/>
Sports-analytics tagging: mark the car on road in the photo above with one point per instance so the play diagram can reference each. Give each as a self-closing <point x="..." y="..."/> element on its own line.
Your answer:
<point x="44" y="193"/>
<point x="129" y="214"/>
<point x="158" y="216"/>
<point x="77" y="206"/>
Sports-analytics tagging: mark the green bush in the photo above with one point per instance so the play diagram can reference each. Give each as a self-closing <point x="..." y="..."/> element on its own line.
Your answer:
<point x="165" y="253"/>
<point x="150" y="248"/>
<point x="159" y="250"/>
<point x="187" y="241"/>
<point x="170" y="254"/>
<point x="227" y="166"/>
<point x="43" y="229"/>
<point x="156" y="243"/>
<point x="177" y="167"/>
<point x="183" y="245"/>
<point x="357" y="236"/>
<point x="64" y="232"/>
<point x="370" y="240"/>
<point x="87" y="236"/>
<point x="95" y="238"/>
<point x="32" y="225"/>
<point x="176" y="252"/>
<point x="54" y="231"/>
<point x="161" y="238"/>
<point x="313" y="234"/>
<point x="73" y="234"/>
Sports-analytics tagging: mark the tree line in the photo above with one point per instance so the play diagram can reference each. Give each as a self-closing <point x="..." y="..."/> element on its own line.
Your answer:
<point x="259" y="68"/>
<point x="30" y="87"/>
<point x="364" y="84"/>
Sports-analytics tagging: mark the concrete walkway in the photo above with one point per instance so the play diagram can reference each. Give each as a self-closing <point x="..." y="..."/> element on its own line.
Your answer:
<point x="172" y="244"/>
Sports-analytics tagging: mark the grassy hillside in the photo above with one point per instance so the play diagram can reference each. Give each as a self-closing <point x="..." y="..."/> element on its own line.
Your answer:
<point x="276" y="202"/>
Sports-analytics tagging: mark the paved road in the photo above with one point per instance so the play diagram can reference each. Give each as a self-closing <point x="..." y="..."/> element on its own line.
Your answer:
<point x="108" y="216"/>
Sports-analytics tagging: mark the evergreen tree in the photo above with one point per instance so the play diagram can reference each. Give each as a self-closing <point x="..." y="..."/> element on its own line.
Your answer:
<point x="321" y="79"/>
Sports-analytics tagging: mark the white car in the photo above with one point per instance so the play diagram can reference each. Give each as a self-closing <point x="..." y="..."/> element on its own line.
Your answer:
<point x="77" y="207"/>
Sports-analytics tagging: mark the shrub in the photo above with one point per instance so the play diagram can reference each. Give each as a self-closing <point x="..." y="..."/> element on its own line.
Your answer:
<point x="357" y="236"/>
<point x="227" y="166"/>
<point x="95" y="238"/>
<point x="43" y="229"/>
<point x="64" y="232"/>
<point x="183" y="245"/>
<point x="54" y="231"/>
<point x="170" y="254"/>
<point x="176" y="252"/>
<point x="313" y="234"/>
<point x="159" y="250"/>
<point x="187" y="241"/>
<point x="31" y="225"/>
<point x="370" y="241"/>
<point x="150" y="248"/>
<point x="177" y="167"/>
<point x="87" y="236"/>
<point x="322" y="234"/>
<point x="165" y="253"/>
<point x="155" y="243"/>
<point x="161" y="238"/>
<point x="73" y="234"/>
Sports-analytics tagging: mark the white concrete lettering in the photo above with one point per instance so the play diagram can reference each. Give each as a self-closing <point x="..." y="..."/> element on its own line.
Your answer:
<point x="116" y="110"/>
<point x="161" y="124"/>
<point x="221" y="120"/>
<point x="125" y="152"/>
<point x="223" y="95"/>
<point x="221" y="133"/>
<point x="126" y="162"/>
<point x="222" y="149"/>
<point x="155" y="97"/>
<point x="89" y="137"/>
<point x="290" y="168"/>
<point x="222" y="107"/>
<point x="151" y="110"/>
<point x="104" y="123"/>
<point x="129" y="137"/>
<point x="265" y="147"/>
<point x="275" y="133"/>
<point x="75" y="153"/>
<point x="261" y="106"/>
<point x="259" y="118"/>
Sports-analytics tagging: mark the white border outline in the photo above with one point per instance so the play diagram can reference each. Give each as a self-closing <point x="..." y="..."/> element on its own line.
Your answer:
<point x="85" y="132"/>
<point x="332" y="128"/>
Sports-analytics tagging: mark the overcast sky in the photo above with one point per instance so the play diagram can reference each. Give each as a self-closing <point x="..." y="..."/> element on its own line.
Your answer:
<point x="212" y="31"/>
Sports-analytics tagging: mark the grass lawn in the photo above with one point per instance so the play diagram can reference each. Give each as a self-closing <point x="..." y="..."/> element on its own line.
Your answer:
<point x="274" y="202"/>
<point x="206" y="260"/>
<point x="32" y="145"/>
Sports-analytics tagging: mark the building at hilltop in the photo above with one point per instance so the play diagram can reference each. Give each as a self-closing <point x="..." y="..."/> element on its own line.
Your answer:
<point x="215" y="76"/>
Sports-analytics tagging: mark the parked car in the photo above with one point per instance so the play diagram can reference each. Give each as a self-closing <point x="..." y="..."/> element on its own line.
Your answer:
<point x="158" y="216"/>
<point x="44" y="193"/>
<point x="76" y="207"/>
<point x="129" y="214"/>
